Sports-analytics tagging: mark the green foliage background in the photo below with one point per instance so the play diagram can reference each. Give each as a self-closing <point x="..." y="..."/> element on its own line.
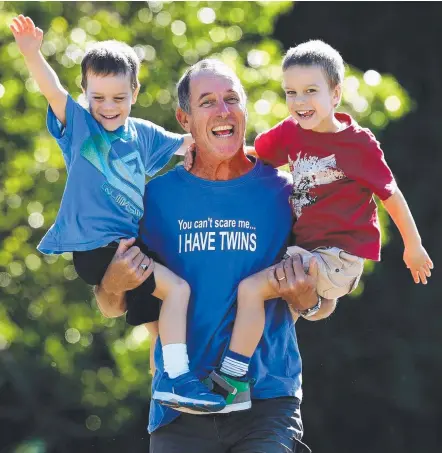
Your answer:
<point x="69" y="378"/>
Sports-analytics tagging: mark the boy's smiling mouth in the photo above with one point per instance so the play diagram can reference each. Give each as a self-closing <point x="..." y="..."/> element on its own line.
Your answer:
<point x="110" y="117"/>
<point x="305" y="114"/>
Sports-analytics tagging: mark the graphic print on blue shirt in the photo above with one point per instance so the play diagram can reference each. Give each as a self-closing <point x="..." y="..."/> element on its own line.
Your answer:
<point x="103" y="197"/>
<point x="214" y="234"/>
<point x="124" y="176"/>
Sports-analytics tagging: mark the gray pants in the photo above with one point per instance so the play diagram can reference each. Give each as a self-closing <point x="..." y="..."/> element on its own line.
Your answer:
<point x="270" y="426"/>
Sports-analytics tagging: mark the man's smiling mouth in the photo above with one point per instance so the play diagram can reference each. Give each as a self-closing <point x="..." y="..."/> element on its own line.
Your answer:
<point x="223" y="131"/>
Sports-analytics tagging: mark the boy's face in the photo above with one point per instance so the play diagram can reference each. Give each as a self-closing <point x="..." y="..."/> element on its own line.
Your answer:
<point x="310" y="99"/>
<point x="110" y="99"/>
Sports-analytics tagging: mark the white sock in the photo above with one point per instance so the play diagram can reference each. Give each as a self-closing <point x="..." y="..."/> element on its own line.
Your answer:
<point x="176" y="360"/>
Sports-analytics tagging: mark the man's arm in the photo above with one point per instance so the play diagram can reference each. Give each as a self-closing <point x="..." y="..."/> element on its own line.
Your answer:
<point x="111" y="305"/>
<point x="298" y="289"/>
<point x="29" y="38"/>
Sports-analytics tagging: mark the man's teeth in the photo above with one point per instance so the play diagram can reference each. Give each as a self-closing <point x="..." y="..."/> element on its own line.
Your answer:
<point x="222" y="128"/>
<point x="223" y="131"/>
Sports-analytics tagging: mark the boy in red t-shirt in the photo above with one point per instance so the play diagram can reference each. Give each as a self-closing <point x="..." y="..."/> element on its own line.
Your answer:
<point x="337" y="166"/>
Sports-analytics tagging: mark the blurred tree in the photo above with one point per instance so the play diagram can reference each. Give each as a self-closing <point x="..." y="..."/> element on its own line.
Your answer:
<point x="69" y="378"/>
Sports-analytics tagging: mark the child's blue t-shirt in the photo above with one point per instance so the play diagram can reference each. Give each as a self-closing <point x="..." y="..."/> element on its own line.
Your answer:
<point x="214" y="234"/>
<point x="103" y="198"/>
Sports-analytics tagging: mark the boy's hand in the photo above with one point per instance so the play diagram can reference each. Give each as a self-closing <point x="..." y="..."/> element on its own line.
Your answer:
<point x="417" y="260"/>
<point x="27" y="36"/>
<point x="189" y="157"/>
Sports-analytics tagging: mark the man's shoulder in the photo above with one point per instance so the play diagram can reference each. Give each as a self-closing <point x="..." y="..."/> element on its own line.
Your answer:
<point x="166" y="180"/>
<point x="276" y="175"/>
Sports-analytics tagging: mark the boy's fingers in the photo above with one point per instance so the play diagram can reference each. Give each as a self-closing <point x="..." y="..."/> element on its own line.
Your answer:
<point x="422" y="276"/>
<point x="22" y="21"/>
<point x="427" y="270"/>
<point x="38" y="32"/>
<point x="415" y="276"/>
<point x="430" y="263"/>
<point x="13" y="29"/>
<point x="17" y="24"/>
<point x="30" y="23"/>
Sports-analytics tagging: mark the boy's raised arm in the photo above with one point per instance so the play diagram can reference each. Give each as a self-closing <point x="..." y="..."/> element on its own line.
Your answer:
<point x="29" y="38"/>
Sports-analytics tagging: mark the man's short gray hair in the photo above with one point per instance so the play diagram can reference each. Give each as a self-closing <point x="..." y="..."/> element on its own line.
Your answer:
<point x="210" y="65"/>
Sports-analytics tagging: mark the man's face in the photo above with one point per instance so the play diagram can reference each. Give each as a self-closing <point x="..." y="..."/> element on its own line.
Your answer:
<point x="309" y="98"/>
<point x="110" y="99"/>
<point x="217" y="116"/>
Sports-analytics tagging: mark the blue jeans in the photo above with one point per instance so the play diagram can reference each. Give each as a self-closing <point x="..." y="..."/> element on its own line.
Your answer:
<point x="270" y="426"/>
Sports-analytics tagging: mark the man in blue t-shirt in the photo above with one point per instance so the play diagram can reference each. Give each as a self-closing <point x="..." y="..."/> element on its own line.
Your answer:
<point x="217" y="224"/>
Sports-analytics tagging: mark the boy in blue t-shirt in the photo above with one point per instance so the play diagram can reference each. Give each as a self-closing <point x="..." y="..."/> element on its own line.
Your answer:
<point x="107" y="154"/>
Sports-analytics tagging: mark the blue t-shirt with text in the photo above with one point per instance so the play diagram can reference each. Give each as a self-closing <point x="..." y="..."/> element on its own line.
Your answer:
<point x="214" y="234"/>
<point x="103" y="198"/>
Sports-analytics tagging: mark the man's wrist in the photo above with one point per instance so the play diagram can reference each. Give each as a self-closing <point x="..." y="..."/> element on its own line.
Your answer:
<point x="308" y="312"/>
<point x="110" y="291"/>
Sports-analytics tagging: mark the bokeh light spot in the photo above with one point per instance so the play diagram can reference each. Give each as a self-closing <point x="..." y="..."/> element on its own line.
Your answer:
<point x="72" y="336"/>
<point x="93" y="423"/>
<point x="262" y="107"/>
<point x="36" y="220"/>
<point x="33" y="262"/>
<point x="206" y="15"/>
<point x="372" y="78"/>
<point x="178" y="27"/>
<point x="392" y="103"/>
<point x="5" y="279"/>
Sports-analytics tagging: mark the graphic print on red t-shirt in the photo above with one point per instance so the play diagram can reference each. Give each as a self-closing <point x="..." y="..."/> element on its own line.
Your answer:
<point x="309" y="172"/>
<point x="335" y="176"/>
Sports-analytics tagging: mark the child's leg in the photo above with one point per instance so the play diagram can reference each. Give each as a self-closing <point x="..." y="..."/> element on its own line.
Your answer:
<point x="180" y="388"/>
<point x="175" y="293"/>
<point x="249" y="323"/>
<point x="152" y="328"/>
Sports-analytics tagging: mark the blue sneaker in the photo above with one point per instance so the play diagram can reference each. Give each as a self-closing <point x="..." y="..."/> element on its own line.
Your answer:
<point x="187" y="393"/>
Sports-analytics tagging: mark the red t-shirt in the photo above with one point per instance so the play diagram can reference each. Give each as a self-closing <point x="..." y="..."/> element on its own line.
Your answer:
<point x="335" y="176"/>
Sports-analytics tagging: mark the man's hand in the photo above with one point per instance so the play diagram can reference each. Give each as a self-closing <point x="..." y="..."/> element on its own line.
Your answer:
<point x="27" y="36"/>
<point x="296" y="287"/>
<point x="189" y="157"/>
<point x="417" y="260"/>
<point x="125" y="272"/>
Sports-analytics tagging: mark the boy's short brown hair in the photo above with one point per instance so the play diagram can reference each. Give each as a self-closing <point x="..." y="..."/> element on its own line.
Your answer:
<point x="317" y="53"/>
<point x="110" y="58"/>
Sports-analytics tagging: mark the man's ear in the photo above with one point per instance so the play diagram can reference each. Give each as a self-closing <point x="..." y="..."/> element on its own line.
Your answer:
<point x="183" y="118"/>
<point x="135" y="94"/>
<point x="337" y="95"/>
